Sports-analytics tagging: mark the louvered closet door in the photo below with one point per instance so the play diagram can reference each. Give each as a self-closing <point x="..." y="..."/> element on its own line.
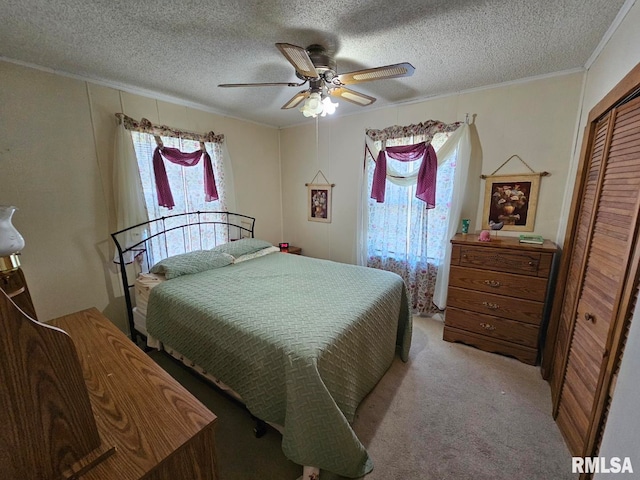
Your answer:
<point x="598" y="268"/>
<point x="582" y="234"/>
<point x="616" y="368"/>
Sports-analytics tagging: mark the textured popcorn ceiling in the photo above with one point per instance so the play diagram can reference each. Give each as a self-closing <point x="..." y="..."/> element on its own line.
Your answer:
<point x="184" y="49"/>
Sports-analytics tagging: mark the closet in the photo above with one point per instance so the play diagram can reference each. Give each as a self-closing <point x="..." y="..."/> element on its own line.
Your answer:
<point x="597" y="286"/>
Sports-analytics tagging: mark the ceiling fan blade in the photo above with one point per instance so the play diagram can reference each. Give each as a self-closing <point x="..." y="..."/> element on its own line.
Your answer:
<point x="276" y="84"/>
<point x="296" y="100"/>
<point x="379" y="73"/>
<point x="299" y="58"/>
<point x="352" y="96"/>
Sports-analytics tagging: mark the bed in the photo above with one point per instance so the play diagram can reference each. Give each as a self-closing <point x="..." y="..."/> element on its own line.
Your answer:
<point x="300" y="340"/>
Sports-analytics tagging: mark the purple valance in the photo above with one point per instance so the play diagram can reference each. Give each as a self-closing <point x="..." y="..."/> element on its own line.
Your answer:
<point x="165" y="198"/>
<point x="426" y="185"/>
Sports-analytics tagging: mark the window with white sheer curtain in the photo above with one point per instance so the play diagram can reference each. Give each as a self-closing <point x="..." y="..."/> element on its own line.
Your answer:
<point x="405" y="237"/>
<point x="187" y="186"/>
<point x="187" y="183"/>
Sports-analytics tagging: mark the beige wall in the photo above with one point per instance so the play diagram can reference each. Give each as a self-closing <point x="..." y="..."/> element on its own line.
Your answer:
<point x="56" y="136"/>
<point x="535" y="120"/>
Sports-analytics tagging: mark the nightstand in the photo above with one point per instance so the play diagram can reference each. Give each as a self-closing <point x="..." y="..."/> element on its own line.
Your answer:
<point x="292" y="249"/>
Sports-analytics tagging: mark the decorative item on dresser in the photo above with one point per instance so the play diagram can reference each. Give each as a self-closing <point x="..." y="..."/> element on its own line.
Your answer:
<point x="498" y="297"/>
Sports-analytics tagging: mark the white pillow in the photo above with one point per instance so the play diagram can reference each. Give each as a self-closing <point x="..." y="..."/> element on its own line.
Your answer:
<point x="259" y="253"/>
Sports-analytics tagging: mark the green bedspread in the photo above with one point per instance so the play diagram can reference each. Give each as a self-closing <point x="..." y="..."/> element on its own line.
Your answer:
<point x="302" y="340"/>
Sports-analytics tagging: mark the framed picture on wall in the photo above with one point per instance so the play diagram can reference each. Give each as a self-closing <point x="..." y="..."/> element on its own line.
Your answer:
<point x="511" y="200"/>
<point x="319" y="202"/>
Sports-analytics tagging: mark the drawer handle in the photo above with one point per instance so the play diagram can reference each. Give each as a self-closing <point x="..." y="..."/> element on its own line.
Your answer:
<point x="487" y="326"/>
<point x="492" y="306"/>
<point x="492" y="283"/>
<point x="590" y="317"/>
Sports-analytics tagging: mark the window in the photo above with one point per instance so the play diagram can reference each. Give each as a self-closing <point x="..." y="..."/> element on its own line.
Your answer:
<point x="405" y="237"/>
<point x="391" y="223"/>
<point x="187" y="183"/>
<point x="187" y="186"/>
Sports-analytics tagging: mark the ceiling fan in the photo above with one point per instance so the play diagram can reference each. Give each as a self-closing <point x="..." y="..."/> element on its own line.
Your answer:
<point x="317" y="67"/>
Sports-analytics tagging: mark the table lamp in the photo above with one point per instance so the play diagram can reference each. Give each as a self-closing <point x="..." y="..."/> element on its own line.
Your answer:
<point x="11" y="242"/>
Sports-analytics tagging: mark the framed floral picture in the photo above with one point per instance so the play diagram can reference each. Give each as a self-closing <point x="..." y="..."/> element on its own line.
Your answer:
<point x="510" y="202"/>
<point x="319" y="202"/>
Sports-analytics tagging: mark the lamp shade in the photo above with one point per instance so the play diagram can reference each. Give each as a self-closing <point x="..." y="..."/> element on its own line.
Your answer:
<point x="11" y="242"/>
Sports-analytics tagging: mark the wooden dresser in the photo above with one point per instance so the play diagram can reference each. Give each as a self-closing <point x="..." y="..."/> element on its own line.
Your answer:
<point x="498" y="295"/>
<point x="159" y="429"/>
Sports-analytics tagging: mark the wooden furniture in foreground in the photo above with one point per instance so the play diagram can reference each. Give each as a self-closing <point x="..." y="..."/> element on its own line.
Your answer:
<point x="159" y="429"/>
<point x="598" y="281"/>
<point x="497" y="296"/>
<point x="48" y="428"/>
<point x="80" y="401"/>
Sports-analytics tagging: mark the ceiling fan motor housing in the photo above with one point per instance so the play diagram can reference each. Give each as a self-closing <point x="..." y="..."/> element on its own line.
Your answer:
<point x="324" y="63"/>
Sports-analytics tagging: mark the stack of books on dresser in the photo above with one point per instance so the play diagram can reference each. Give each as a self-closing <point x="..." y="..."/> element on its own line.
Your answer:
<point x="535" y="239"/>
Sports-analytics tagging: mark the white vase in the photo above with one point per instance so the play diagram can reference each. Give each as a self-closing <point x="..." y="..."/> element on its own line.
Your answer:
<point x="10" y="239"/>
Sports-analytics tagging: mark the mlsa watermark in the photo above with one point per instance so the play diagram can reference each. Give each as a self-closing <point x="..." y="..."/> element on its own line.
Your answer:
<point x="601" y="465"/>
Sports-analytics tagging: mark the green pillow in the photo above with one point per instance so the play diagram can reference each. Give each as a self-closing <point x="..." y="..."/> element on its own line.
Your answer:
<point x="191" y="262"/>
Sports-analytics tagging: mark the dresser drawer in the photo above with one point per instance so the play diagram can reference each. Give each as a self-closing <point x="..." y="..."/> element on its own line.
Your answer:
<point x="524" y="354"/>
<point x="500" y="328"/>
<point x="509" y="284"/>
<point x="495" y="305"/>
<point x="501" y="260"/>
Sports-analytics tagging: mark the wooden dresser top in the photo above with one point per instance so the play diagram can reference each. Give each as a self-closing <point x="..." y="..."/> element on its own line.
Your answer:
<point x="499" y="241"/>
<point x="138" y="407"/>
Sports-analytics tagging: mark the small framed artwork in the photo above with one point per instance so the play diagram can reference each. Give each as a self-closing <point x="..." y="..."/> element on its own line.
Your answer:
<point x="510" y="202"/>
<point x="319" y="202"/>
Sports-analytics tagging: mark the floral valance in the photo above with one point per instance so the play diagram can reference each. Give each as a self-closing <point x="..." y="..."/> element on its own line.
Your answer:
<point x="428" y="128"/>
<point x="145" y="126"/>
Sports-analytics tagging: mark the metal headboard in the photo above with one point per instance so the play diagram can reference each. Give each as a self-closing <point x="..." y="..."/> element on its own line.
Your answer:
<point x="171" y="235"/>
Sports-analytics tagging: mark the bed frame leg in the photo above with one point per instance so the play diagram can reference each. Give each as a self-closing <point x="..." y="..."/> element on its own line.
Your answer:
<point x="260" y="429"/>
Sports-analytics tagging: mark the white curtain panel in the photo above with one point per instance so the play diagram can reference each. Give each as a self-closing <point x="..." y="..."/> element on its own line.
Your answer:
<point x="464" y="198"/>
<point x="228" y="187"/>
<point x="449" y="148"/>
<point x="130" y="207"/>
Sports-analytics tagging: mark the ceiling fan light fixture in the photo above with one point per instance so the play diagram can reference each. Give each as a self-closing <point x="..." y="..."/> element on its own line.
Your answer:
<point x="328" y="107"/>
<point x="312" y="106"/>
<point x="318" y="104"/>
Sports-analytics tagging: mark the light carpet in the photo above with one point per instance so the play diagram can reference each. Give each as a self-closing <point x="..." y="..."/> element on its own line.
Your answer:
<point x="450" y="412"/>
